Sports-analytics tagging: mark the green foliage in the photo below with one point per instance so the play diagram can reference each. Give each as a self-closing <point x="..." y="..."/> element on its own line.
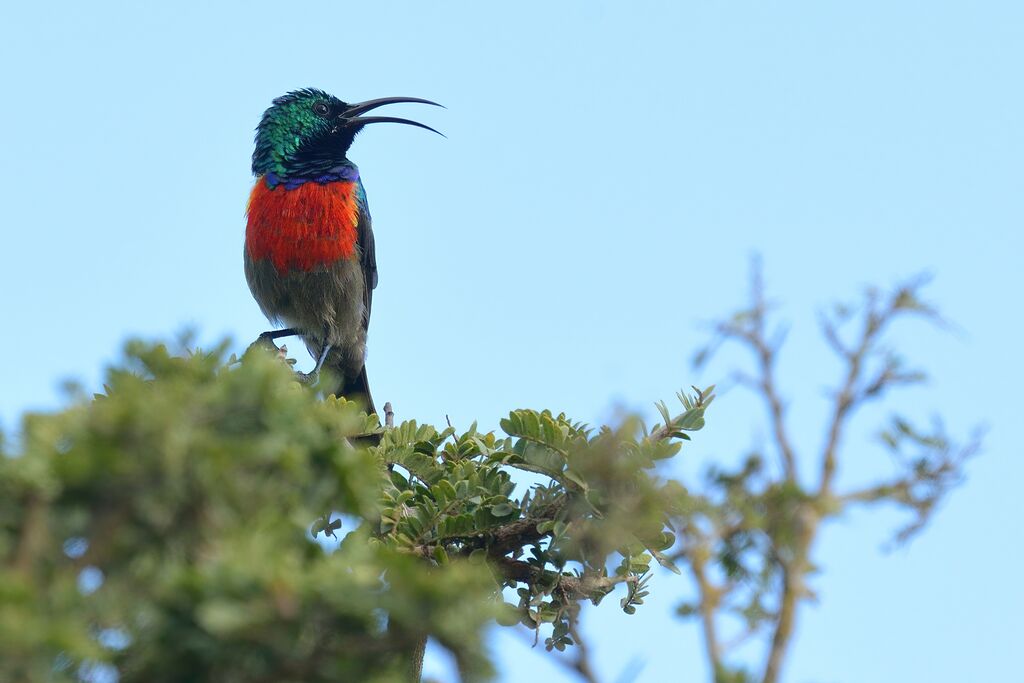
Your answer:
<point x="190" y="489"/>
<point x="182" y="525"/>
<point x="598" y="502"/>
<point x="168" y="528"/>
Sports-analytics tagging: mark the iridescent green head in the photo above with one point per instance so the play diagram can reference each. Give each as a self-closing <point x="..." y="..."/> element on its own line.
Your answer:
<point x="308" y="132"/>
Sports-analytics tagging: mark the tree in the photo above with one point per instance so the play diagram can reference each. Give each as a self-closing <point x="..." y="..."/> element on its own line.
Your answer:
<point x="748" y="536"/>
<point x="166" y="529"/>
<point x="173" y="528"/>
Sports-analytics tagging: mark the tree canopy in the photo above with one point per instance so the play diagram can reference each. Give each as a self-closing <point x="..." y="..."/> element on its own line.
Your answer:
<point x="206" y="518"/>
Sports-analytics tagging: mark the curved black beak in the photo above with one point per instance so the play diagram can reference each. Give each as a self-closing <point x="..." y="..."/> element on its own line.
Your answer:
<point x="350" y="117"/>
<point x="363" y="107"/>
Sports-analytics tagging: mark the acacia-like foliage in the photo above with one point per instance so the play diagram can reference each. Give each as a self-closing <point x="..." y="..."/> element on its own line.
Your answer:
<point x="168" y="529"/>
<point x="598" y="502"/>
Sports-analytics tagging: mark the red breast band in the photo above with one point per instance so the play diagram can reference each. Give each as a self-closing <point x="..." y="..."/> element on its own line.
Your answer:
<point x="303" y="228"/>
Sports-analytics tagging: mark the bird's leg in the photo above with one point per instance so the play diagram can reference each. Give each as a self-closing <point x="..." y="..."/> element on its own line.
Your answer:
<point x="271" y="335"/>
<point x="313" y="375"/>
<point x="322" y="358"/>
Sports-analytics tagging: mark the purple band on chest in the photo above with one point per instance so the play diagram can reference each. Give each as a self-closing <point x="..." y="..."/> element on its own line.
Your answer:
<point x="346" y="173"/>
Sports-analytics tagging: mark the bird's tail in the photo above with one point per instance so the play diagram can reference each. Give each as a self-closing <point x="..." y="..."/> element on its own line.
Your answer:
<point x="357" y="389"/>
<point x="353" y="386"/>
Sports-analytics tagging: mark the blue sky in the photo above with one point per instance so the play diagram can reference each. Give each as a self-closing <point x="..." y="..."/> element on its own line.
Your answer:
<point x="609" y="170"/>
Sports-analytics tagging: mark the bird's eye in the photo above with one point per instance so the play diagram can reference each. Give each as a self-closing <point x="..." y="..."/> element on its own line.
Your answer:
<point x="321" y="109"/>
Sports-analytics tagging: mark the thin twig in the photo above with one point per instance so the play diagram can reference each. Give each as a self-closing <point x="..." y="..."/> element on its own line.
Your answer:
<point x="750" y="329"/>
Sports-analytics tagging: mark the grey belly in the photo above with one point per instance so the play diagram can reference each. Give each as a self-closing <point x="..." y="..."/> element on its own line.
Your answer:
<point x="326" y="305"/>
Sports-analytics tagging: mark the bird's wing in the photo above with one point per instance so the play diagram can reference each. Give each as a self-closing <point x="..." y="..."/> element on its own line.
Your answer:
<point x="367" y="253"/>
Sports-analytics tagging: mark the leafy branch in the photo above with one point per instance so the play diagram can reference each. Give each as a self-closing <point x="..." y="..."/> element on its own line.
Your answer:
<point x="450" y="497"/>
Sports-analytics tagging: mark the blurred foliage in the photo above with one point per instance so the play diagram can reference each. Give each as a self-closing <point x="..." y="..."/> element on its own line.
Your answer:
<point x="176" y="527"/>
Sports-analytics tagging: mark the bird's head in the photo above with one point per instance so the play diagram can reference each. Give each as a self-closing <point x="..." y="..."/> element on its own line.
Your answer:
<point x="307" y="132"/>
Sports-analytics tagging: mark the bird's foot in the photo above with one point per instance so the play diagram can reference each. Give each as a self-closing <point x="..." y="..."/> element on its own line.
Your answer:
<point x="265" y="344"/>
<point x="307" y="378"/>
<point x="266" y="340"/>
<point x="311" y="378"/>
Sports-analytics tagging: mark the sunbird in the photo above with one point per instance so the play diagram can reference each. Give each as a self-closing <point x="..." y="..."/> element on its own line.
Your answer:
<point x="309" y="252"/>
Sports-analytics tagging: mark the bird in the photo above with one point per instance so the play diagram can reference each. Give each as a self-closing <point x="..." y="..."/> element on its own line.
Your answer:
<point x="310" y="258"/>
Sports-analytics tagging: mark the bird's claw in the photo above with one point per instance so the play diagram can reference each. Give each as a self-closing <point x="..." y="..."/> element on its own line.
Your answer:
<point x="265" y="342"/>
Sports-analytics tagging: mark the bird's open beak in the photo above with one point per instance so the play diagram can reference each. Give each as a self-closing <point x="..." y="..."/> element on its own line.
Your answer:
<point x="351" y="116"/>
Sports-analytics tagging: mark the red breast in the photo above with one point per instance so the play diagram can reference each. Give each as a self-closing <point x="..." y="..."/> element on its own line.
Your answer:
<point x="300" y="229"/>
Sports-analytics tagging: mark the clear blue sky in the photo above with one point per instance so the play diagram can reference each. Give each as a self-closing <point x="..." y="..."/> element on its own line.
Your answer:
<point x="609" y="169"/>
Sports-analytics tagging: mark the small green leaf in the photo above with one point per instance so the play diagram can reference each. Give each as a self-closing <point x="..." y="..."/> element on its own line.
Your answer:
<point x="503" y="510"/>
<point x="692" y="420"/>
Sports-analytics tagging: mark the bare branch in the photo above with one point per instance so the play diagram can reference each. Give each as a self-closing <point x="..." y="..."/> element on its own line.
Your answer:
<point x="707" y="607"/>
<point x="709" y="595"/>
<point x="926" y="479"/>
<point x="749" y="328"/>
<point x="876" y="318"/>
<point x="760" y="532"/>
<point x="783" y="627"/>
<point x="830" y="330"/>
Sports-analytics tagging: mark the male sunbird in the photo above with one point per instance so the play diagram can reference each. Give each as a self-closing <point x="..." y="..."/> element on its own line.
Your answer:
<point x="309" y="251"/>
